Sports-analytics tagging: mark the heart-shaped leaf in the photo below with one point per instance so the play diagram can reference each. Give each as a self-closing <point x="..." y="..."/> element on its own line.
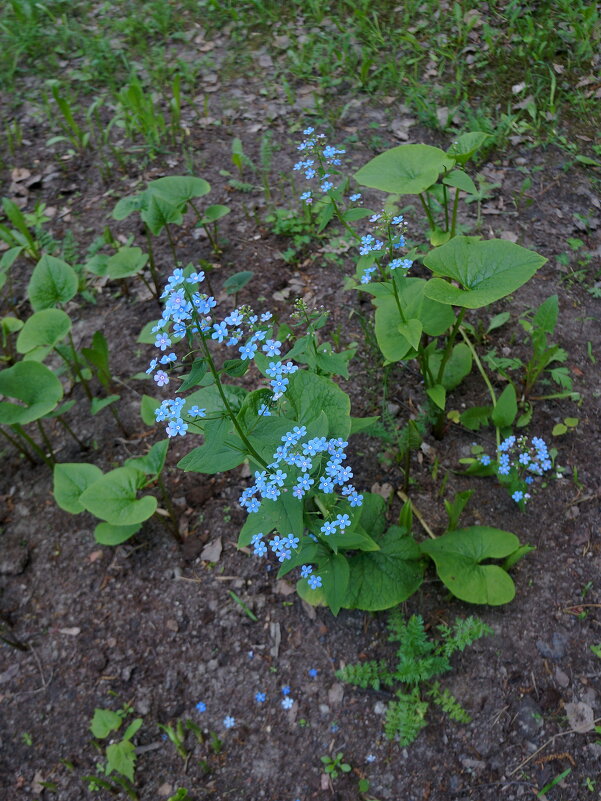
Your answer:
<point x="114" y="498"/>
<point x="52" y="281"/>
<point x="405" y="170"/>
<point x="32" y="383"/>
<point x="487" y="270"/>
<point x="44" y="330"/>
<point x="468" y="143"/>
<point x="126" y="262"/>
<point x="461" y="563"/>
<point x="70" y="480"/>
<point x="107" y="534"/>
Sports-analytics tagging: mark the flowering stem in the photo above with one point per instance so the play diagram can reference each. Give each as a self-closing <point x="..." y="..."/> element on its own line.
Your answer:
<point x="226" y="403"/>
<point x="446" y="207"/>
<point x="151" y="263"/>
<point x="338" y="214"/>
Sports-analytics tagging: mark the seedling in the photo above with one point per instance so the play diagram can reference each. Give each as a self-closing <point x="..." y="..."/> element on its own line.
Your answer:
<point x="333" y="766"/>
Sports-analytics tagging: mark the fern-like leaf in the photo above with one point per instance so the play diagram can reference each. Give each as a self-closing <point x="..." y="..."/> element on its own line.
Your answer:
<point x="461" y="634"/>
<point x="405" y="717"/>
<point x="367" y="674"/>
<point x="413" y="671"/>
<point x="448" y="703"/>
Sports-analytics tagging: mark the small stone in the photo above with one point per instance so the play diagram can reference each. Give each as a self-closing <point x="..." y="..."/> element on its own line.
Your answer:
<point x="172" y="625"/>
<point x="379" y="708"/>
<point x="581" y="717"/>
<point x="165" y="789"/>
<point x="336" y="694"/>
<point x="561" y="678"/>
<point x="556" y="649"/>
<point x="528" y="718"/>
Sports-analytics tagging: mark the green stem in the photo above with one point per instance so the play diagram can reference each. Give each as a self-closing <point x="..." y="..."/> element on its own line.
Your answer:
<point x="428" y="212"/>
<point x="416" y="512"/>
<point x="152" y="263"/>
<point x="340" y="217"/>
<point x="171" y="244"/>
<point x="483" y="373"/>
<point x="449" y="346"/>
<point x="33" y="445"/>
<point x="21" y="448"/>
<point x="70" y="431"/>
<point x="46" y="441"/>
<point x="75" y="368"/>
<point x="446" y="207"/>
<point x="454" y="219"/>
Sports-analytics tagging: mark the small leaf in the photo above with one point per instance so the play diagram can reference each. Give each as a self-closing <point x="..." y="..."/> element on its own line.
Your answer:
<point x="438" y="395"/>
<point x="121" y="757"/>
<point x="44" y="329"/>
<point x="235" y="283"/>
<point x="197" y="373"/>
<point x="53" y="281"/>
<point x="106" y="534"/>
<point x="35" y="386"/>
<point x="125" y="263"/>
<point x="113" y="498"/>
<point x="559" y="430"/>
<point x="214" y="213"/>
<point x="460" y="180"/>
<point x="104" y="722"/>
<point x="506" y="409"/>
<point x="70" y="480"/>
<point x="98" y="404"/>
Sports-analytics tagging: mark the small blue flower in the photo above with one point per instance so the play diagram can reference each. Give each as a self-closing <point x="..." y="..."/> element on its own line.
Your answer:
<point x="161" y="378"/>
<point x="315" y="582"/>
<point x="485" y="459"/>
<point x="287" y="702"/>
<point x="286" y="689"/>
<point x="517" y="496"/>
<point x="306" y="571"/>
<point x="260" y="698"/>
<point x="229" y="722"/>
<point x="201" y="706"/>
<point x="313" y="672"/>
<point x="355" y="197"/>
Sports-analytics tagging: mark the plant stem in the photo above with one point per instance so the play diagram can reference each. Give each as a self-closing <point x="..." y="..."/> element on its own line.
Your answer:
<point x="33" y="445"/>
<point x="446" y="207"/>
<point x="454" y="220"/>
<point x="449" y="345"/>
<point x="408" y="500"/>
<point x="482" y="372"/>
<point x="46" y="441"/>
<point x="428" y="212"/>
<point x="152" y="263"/>
<point x="21" y="448"/>
<point x="69" y="430"/>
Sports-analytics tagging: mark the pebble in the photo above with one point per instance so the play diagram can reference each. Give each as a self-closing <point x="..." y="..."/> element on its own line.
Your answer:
<point x="556" y="649"/>
<point x="528" y="718"/>
<point x="380" y="708"/>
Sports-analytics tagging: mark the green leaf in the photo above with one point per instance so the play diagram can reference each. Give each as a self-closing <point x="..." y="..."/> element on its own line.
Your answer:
<point x="460" y="180"/>
<point x="44" y="329"/>
<point x="159" y="212"/>
<point x="126" y="206"/>
<point x="559" y="429"/>
<point x="235" y="367"/>
<point x="114" y="498"/>
<point x="412" y="331"/>
<point x="497" y="321"/>
<point x="335" y="573"/>
<point x="148" y="406"/>
<point x="476" y="417"/>
<point x="98" y="404"/>
<point x="125" y="263"/>
<point x="235" y="283"/>
<point x="459" y="557"/>
<point x="487" y="270"/>
<point x="284" y="515"/>
<point x="121" y="757"/>
<point x="52" y="281"/>
<point x="506" y="409"/>
<point x="195" y="376"/>
<point x="107" y="534"/>
<point x="437" y="395"/>
<point x="458" y="365"/>
<point x="310" y="394"/>
<point x="464" y="148"/>
<point x="222" y="450"/>
<point x="133" y="728"/>
<point x="359" y="424"/>
<point x="545" y="318"/>
<point x="152" y="464"/>
<point x="146" y="335"/>
<point x="70" y="480"/>
<point x="405" y="170"/>
<point x="104" y="722"/>
<point x="35" y="386"/>
<point x="98" y="357"/>
<point x="178" y="189"/>
<point x="352" y="215"/>
<point x="382" y="579"/>
<point x="214" y="213"/>
<point x="98" y="264"/>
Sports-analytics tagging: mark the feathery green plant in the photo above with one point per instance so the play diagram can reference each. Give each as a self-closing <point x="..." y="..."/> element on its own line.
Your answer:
<point x="419" y="660"/>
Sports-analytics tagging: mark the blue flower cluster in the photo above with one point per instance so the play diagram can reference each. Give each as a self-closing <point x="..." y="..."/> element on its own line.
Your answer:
<point x="319" y="159"/>
<point x="391" y="240"/>
<point x="301" y="457"/>
<point x="187" y="311"/>
<point x="521" y="459"/>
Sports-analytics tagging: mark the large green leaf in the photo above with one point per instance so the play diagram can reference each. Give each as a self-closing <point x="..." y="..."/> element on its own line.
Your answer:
<point x="178" y="189"/>
<point x="460" y="558"/>
<point x="126" y="262"/>
<point x="458" y="366"/>
<point x="153" y="462"/>
<point x="310" y="394"/>
<point x="114" y="498"/>
<point x="222" y="450"/>
<point x="159" y="212"/>
<point x="35" y="386"/>
<point x="70" y="480"/>
<point x="405" y="170"/>
<point x="382" y="579"/>
<point x="44" y="330"/>
<point x="336" y="575"/>
<point x="52" y="281"/>
<point x="487" y="270"/>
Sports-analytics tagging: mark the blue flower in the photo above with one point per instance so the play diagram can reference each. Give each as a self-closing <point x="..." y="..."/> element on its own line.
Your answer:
<point x="260" y="698"/>
<point x="161" y="378"/>
<point x="315" y="582"/>
<point x="286" y="689"/>
<point x="517" y="496"/>
<point x="288" y="702"/>
<point x="194" y="411"/>
<point x="201" y="706"/>
<point x="313" y="672"/>
<point x="306" y="571"/>
<point x="229" y="722"/>
<point x="355" y="197"/>
<point x="162" y="341"/>
<point x="485" y="459"/>
<point x="248" y="351"/>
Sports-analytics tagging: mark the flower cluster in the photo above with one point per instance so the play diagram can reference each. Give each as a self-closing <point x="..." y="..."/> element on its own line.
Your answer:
<point x="387" y="227"/>
<point x="302" y="464"/>
<point x="318" y="159"/>
<point x="188" y="311"/>
<point x="518" y="461"/>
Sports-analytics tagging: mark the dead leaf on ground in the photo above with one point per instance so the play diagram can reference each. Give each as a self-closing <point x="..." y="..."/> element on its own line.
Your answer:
<point x="212" y="551"/>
